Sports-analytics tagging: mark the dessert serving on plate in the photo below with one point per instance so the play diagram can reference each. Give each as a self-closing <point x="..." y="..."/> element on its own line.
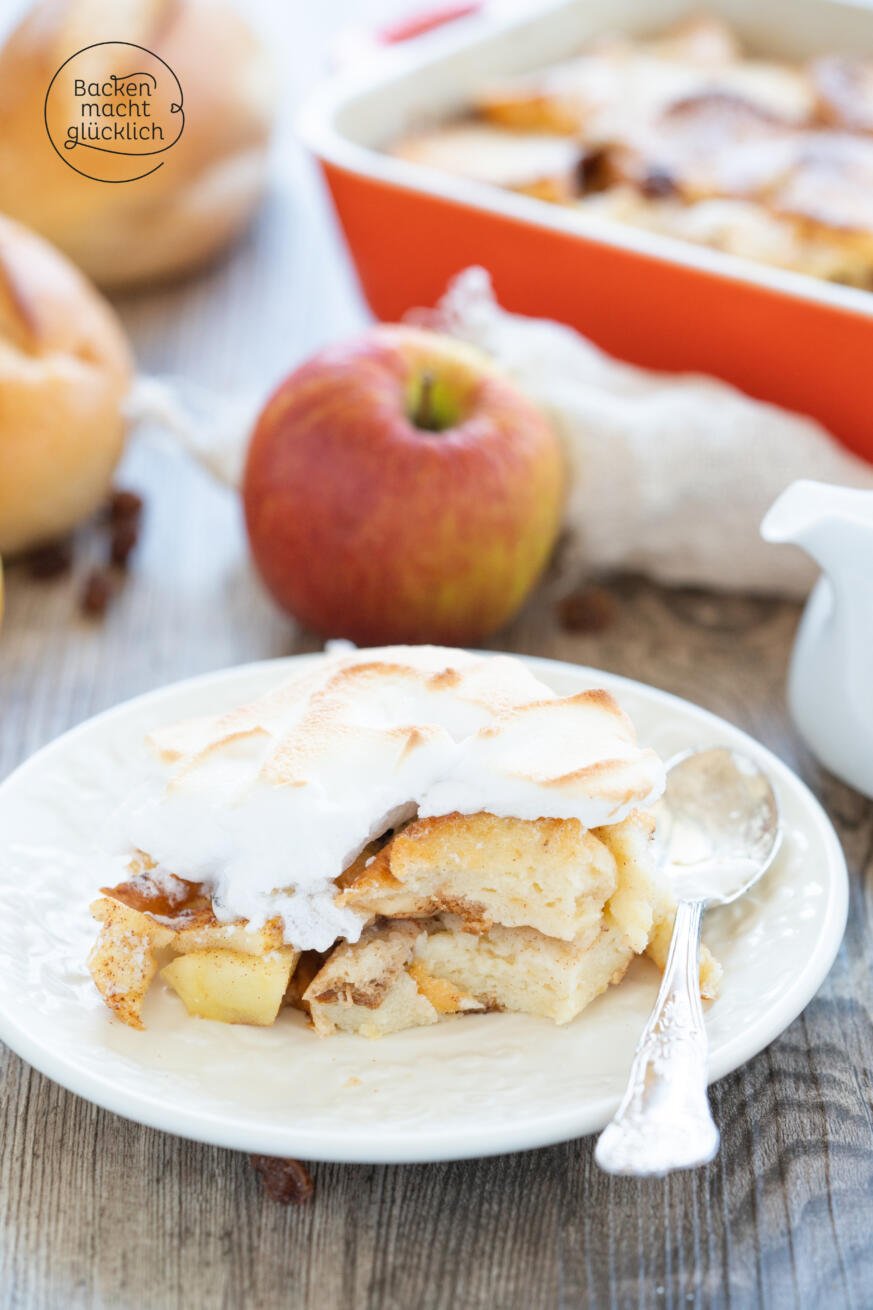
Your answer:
<point x="688" y="135"/>
<point x="389" y="837"/>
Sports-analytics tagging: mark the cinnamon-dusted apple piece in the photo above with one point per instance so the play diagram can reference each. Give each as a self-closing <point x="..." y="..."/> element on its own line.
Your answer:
<point x="224" y="971"/>
<point x="232" y="986"/>
<point x="125" y="957"/>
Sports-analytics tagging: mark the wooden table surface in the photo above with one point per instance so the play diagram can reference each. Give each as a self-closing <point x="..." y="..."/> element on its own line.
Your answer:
<point x="97" y="1211"/>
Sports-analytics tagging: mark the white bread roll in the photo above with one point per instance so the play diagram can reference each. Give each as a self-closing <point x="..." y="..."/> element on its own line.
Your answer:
<point x="210" y="180"/>
<point x="65" y="370"/>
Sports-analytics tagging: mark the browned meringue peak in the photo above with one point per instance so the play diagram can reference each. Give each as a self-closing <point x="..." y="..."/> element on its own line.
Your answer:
<point x="268" y="803"/>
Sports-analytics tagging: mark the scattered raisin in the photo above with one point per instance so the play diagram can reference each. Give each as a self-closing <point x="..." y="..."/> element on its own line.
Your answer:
<point x="124" y="536"/>
<point x="658" y="183"/>
<point x="96" y="593"/>
<point x="51" y="560"/>
<point x="592" y="170"/>
<point x="591" y="610"/>
<point x="287" y="1181"/>
<point x="124" y="505"/>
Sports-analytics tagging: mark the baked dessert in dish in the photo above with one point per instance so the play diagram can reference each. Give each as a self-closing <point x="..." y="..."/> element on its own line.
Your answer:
<point x="689" y="136"/>
<point x="390" y="837"/>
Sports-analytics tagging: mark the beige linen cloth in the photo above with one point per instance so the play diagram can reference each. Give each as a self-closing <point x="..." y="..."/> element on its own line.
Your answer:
<point x="670" y="475"/>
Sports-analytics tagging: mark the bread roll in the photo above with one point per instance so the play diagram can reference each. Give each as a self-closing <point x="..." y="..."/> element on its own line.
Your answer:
<point x="65" y="370"/>
<point x="209" y="181"/>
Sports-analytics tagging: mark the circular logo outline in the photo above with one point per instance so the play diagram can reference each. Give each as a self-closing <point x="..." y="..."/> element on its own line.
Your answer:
<point x="174" y="108"/>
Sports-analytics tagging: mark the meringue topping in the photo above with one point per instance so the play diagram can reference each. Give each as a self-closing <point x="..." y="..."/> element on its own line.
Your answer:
<point x="269" y="803"/>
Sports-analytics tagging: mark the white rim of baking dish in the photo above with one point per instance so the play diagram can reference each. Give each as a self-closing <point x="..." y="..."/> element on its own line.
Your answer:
<point x="318" y="129"/>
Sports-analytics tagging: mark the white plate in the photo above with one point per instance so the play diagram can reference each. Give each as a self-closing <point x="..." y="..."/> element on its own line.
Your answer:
<point x="470" y="1086"/>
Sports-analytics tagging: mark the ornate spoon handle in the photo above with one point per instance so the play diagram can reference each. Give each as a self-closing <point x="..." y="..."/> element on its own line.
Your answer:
<point x="664" y="1121"/>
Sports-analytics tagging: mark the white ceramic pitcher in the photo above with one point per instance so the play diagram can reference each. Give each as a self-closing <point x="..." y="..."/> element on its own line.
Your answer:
<point x="830" y="683"/>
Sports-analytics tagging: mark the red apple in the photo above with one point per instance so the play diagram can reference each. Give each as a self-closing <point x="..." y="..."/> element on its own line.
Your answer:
<point x="400" y="488"/>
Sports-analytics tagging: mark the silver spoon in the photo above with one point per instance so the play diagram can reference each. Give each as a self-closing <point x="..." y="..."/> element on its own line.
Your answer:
<point x="721" y="825"/>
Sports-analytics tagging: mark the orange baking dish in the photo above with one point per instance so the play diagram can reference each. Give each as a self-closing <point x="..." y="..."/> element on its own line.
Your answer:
<point x="784" y="337"/>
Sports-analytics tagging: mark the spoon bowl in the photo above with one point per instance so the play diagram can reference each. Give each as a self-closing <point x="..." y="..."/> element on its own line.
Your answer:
<point x="720" y="825"/>
<point x="719" y="822"/>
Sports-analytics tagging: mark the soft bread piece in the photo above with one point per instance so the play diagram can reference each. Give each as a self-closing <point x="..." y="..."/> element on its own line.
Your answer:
<point x="65" y="371"/>
<point x="495" y="967"/>
<point x="403" y="974"/>
<point x="549" y="874"/>
<point x="522" y="970"/>
<point x="642" y="905"/>
<point x="638" y="890"/>
<point x="546" y="166"/>
<point x="366" y="988"/>
<point x="211" y="179"/>
<point x="659" y="948"/>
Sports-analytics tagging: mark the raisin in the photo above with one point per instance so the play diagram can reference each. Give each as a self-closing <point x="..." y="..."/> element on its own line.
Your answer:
<point x="96" y="594"/>
<point x="124" y="505"/>
<point x="51" y="560"/>
<point x="287" y="1181"/>
<point x="125" y="534"/>
<point x="591" y="610"/>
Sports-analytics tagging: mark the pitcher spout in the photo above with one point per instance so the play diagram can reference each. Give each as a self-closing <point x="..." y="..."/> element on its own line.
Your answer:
<point x="832" y="524"/>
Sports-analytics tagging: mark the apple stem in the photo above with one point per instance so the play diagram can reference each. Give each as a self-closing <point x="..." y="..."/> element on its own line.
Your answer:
<point x="424" y="409"/>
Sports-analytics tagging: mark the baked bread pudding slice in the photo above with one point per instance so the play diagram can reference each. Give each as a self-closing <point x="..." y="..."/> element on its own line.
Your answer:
<point x="390" y="838"/>
<point x="406" y="972"/>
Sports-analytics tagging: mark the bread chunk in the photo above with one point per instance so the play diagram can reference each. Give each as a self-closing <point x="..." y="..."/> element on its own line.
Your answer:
<point x="547" y="874"/>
